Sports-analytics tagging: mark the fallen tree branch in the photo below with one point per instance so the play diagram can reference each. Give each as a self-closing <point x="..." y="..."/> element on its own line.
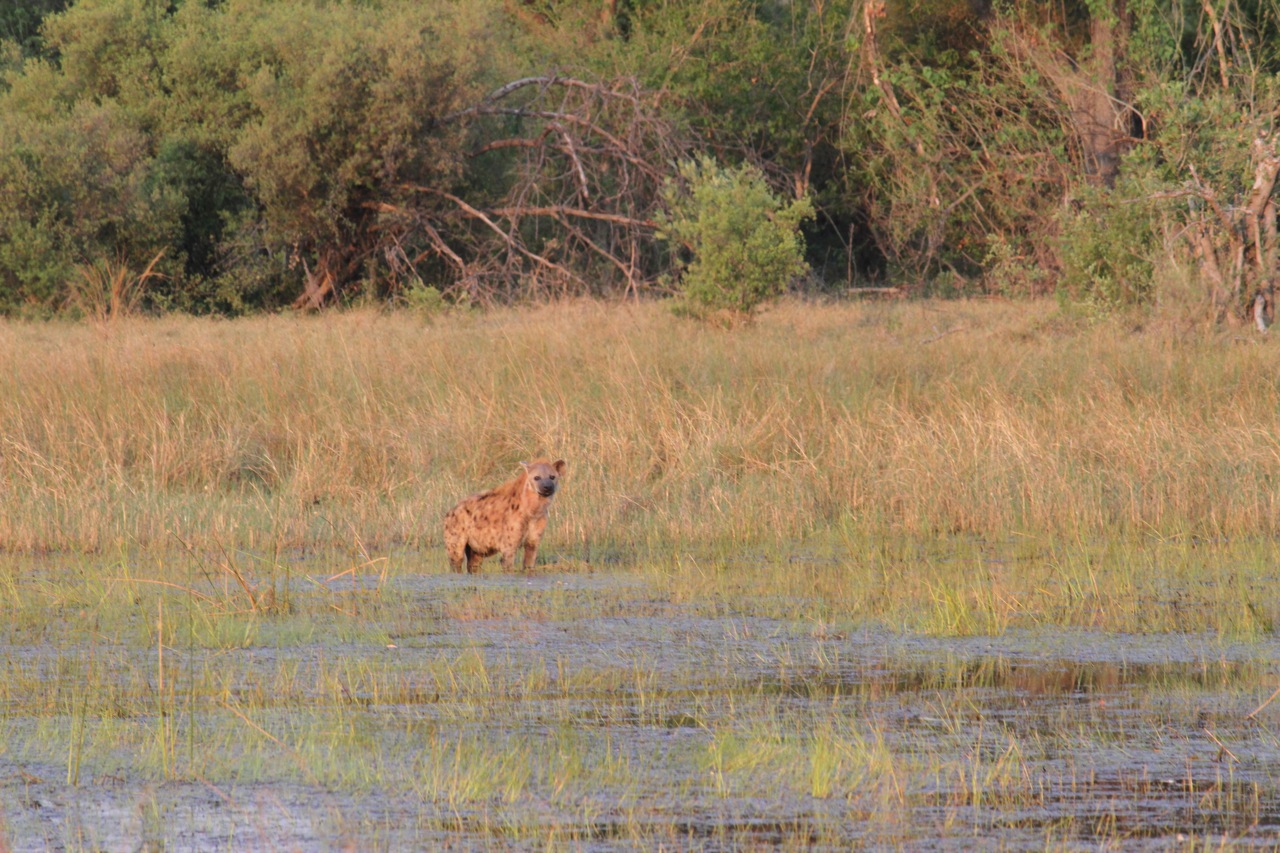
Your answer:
<point x="563" y="210"/>
<point x="543" y="83"/>
<point x="511" y="242"/>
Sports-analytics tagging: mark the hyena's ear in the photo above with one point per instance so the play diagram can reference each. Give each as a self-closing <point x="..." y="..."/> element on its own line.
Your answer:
<point x="524" y="465"/>
<point x="560" y="467"/>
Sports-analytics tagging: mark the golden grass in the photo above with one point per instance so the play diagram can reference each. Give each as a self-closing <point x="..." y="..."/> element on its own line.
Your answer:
<point x="359" y="429"/>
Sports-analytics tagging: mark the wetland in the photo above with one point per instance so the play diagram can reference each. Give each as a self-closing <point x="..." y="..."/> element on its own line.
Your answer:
<point x="589" y="710"/>
<point x="923" y="575"/>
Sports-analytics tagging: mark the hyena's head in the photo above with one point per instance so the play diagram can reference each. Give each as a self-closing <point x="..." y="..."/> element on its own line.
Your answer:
<point x="543" y="476"/>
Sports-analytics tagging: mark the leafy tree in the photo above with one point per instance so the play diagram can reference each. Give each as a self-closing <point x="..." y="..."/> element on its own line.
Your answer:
<point x="247" y="154"/>
<point x="341" y="117"/>
<point x="77" y="187"/>
<point x="276" y="137"/>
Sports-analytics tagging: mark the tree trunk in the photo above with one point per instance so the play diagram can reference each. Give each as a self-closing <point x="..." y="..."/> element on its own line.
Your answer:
<point x="320" y="286"/>
<point x="1092" y="87"/>
<point x="1097" y="112"/>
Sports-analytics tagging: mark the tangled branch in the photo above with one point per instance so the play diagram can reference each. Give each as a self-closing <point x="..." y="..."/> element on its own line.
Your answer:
<point x="586" y="162"/>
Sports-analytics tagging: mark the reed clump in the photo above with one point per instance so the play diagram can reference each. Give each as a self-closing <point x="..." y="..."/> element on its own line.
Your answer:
<point x="918" y="418"/>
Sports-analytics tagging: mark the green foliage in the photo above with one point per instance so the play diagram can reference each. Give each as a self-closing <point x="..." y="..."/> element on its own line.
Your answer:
<point x="1107" y="248"/>
<point x="962" y="170"/>
<point x="111" y="50"/>
<point x="214" y="194"/>
<point x="236" y="134"/>
<point x="78" y="187"/>
<point x="257" y="147"/>
<point x="744" y="243"/>
<point x="1010" y="270"/>
<point x="424" y="300"/>
<point x="340" y="111"/>
<point x="338" y="115"/>
<point x="20" y="22"/>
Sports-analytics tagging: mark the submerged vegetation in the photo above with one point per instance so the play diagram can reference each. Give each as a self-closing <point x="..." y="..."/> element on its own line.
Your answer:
<point x="386" y="708"/>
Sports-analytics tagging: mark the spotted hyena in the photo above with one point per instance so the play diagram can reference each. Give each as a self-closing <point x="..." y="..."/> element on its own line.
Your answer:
<point x="500" y="520"/>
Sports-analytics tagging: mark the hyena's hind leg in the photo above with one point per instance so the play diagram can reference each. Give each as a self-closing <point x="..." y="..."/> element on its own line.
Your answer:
<point x="455" y="546"/>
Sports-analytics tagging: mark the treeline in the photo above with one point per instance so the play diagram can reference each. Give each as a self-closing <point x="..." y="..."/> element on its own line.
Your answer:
<point x="228" y="156"/>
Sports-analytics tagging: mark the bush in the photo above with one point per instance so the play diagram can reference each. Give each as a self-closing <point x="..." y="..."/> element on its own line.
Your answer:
<point x="1107" y="246"/>
<point x="737" y="244"/>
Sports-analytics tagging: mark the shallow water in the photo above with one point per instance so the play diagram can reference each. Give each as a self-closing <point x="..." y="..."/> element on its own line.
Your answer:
<point x="601" y="716"/>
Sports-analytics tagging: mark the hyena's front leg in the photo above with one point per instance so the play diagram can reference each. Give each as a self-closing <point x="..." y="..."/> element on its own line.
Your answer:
<point x="532" y="540"/>
<point x="508" y="550"/>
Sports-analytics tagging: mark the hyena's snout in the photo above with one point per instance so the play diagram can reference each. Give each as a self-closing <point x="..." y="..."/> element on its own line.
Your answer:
<point x="546" y="488"/>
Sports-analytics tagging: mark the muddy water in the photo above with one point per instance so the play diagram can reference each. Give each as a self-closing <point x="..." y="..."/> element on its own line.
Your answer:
<point x="636" y="722"/>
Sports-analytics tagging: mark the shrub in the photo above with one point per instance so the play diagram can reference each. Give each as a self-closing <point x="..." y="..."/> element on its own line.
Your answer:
<point x="737" y="244"/>
<point x="1107" y="246"/>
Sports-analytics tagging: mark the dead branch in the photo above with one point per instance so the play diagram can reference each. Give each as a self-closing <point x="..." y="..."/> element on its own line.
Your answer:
<point x="1216" y="25"/>
<point x="608" y="256"/>
<point x="1270" y="699"/>
<point x="577" y="164"/>
<point x="316" y="287"/>
<point x="511" y="242"/>
<point x="562" y="210"/>
<point x="543" y="83"/>
<point x="1231" y="236"/>
<point x="872" y="10"/>
<point x="551" y="115"/>
<point x="499" y="144"/>
<point x="584" y="177"/>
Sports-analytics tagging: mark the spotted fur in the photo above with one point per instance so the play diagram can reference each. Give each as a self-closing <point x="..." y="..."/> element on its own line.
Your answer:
<point x="501" y="520"/>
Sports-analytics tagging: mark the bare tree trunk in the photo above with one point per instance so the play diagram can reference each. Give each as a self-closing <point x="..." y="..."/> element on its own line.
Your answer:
<point x="873" y="10"/>
<point x="320" y="285"/>
<point x="1095" y="109"/>
<point x="1091" y="88"/>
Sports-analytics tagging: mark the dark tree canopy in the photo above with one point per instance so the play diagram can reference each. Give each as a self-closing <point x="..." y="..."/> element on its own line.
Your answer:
<point x="249" y="155"/>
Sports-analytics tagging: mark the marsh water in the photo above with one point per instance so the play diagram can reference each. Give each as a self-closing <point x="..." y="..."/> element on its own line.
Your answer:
<point x="588" y="711"/>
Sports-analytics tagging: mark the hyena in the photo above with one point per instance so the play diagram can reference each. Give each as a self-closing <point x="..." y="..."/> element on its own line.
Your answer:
<point x="500" y="520"/>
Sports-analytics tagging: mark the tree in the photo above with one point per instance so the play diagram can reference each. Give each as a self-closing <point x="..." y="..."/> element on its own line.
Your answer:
<point x="747" y="81"/>
<point x="77" y="187"/>
<point x="343" y="118"/>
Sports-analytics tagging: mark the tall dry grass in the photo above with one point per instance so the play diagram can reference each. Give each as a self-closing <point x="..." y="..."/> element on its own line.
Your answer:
<point x="361" y="428"/>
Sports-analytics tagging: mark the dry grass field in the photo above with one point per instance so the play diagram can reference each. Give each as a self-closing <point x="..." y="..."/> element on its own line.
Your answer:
<point x="927" y="418"/>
